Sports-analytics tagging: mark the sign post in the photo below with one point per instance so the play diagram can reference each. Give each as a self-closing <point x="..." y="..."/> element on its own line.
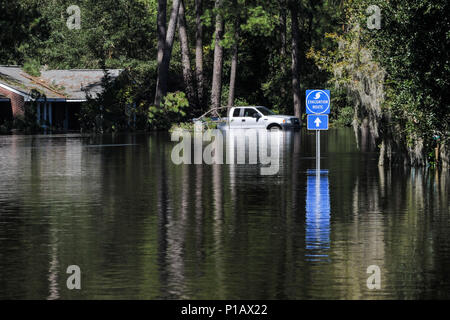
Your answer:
<point x="318" y="150"/>
<point x="317" y="109"/>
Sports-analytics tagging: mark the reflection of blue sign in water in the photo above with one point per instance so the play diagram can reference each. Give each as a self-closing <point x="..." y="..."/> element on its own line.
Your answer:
<point x="317" y="215"/>
<point x="317" y="122"/>
<point x="317" y="101"/>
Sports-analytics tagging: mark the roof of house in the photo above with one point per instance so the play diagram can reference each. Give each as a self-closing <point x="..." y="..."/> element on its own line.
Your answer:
<point x="55" y="84"/>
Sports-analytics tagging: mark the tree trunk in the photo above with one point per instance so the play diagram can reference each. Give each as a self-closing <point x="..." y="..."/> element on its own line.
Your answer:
<point x="234" y="63"/>
<point x="199" y="52"/>
<point x="163" y="72"/>
<point x="216" y="90"/>
<point x="295" y="62"/>
<point x="161" y="30"/>
<point x="283" y="27"/>
<point x="310" y="21"/>
<point x="186" y="62"/>
<point x="283" y="38"/>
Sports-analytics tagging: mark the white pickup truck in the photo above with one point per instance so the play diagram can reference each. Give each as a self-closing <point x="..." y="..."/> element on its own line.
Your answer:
<point x="255" y="117"/>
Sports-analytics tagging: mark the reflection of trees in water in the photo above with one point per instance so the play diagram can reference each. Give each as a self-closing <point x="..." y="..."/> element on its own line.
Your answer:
<point x="176" y="234"/>
<point x="287" y="265"/>
<point x="441" y="229"/>
<point x="218" y="227"/>
<point x="365" y="139"/>
<point x="54" y="267"/>
<point x="162" y="200"/>
<point x="393" y="226"/>
<point x="365" y="238"/>
<point x="420" y="214"/>
<point x="217" y="231"/>
<point x="41" y="174"/>
<point x="199" y="212"/>
<point x="172" y="223"/>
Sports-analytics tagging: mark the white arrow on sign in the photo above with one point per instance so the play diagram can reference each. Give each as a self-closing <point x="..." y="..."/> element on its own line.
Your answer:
<point x="317" y="122"/>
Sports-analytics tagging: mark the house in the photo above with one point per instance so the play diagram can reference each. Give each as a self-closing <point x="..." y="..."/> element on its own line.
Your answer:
<point x="56" y="94"/>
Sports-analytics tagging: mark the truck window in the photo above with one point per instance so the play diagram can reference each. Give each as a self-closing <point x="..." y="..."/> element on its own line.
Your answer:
<point x="250" y="112"/>
<point x="236" y="112"/>
<point x="265" y="111"/>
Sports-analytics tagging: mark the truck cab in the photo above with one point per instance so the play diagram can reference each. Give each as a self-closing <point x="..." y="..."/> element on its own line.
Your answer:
<point x="258" y="117"/>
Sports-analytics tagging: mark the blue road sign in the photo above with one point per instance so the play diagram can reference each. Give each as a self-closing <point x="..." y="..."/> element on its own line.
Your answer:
<point x="317" y="122"/>
<point x="317" y="101"/>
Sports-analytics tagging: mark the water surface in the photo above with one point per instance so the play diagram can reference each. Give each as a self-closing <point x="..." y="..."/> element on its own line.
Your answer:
<point x="141" y="227"/>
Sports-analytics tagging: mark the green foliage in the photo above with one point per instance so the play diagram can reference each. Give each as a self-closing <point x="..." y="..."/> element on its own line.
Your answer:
<point x="27" y="123"/>
<point x="345" y="117"/>
<point x="122" y="34"/>
<point x="112" y="33"/>
<point x="21" y="27"/>
<point x="172" y="110"/>
<point x="186" y="126"/>
<point x="122" y="106"/>
<point x="411" y="47"/>
<point x="126" y="104"/>
<point x="32" y="67"/>
<point x="238" y="101"/>
<point x="207" y="124"/>
<point x="175" y="102"/>
<point x="260" y="22"/>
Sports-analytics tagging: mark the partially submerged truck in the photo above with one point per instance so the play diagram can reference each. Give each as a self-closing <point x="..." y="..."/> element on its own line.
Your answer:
<point x="250" y="117"/>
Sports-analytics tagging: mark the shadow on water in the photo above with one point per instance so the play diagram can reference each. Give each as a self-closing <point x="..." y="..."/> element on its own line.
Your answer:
<point x="140" y="226"/>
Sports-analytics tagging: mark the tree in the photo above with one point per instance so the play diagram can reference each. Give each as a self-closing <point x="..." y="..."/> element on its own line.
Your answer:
<point x="234" y="58"/>
<point x="295" y="60"/>
<point x="283" y="27"/>
<point x="186" y="62"/>
<point x="216" y="91"/>
<point x="163" y="70"/>
<point x="161" y="31"/>
<point x="199" y="51"/>
<point x="18" y="31"/>
<point x="400" y="99"/>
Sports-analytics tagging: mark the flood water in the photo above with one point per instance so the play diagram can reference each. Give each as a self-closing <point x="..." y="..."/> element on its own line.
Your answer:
<point x="141" y="227"/>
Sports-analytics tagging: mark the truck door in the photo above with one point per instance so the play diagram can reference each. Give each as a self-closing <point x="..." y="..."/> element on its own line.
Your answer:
<point x="252" y="118"/>
<point x="236" y="119"/>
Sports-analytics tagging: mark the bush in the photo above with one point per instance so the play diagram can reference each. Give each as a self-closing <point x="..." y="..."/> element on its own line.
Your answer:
<point x="118" y="108"/>
<point x="207" y="124"/>
<point x="345" y="117"/>
<point x="171" y="110"/>
<point x="27" y="123"/>
<point x="126" y="104"/>
<point x="5" y="127"/>
<point x="32" y="67"/>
